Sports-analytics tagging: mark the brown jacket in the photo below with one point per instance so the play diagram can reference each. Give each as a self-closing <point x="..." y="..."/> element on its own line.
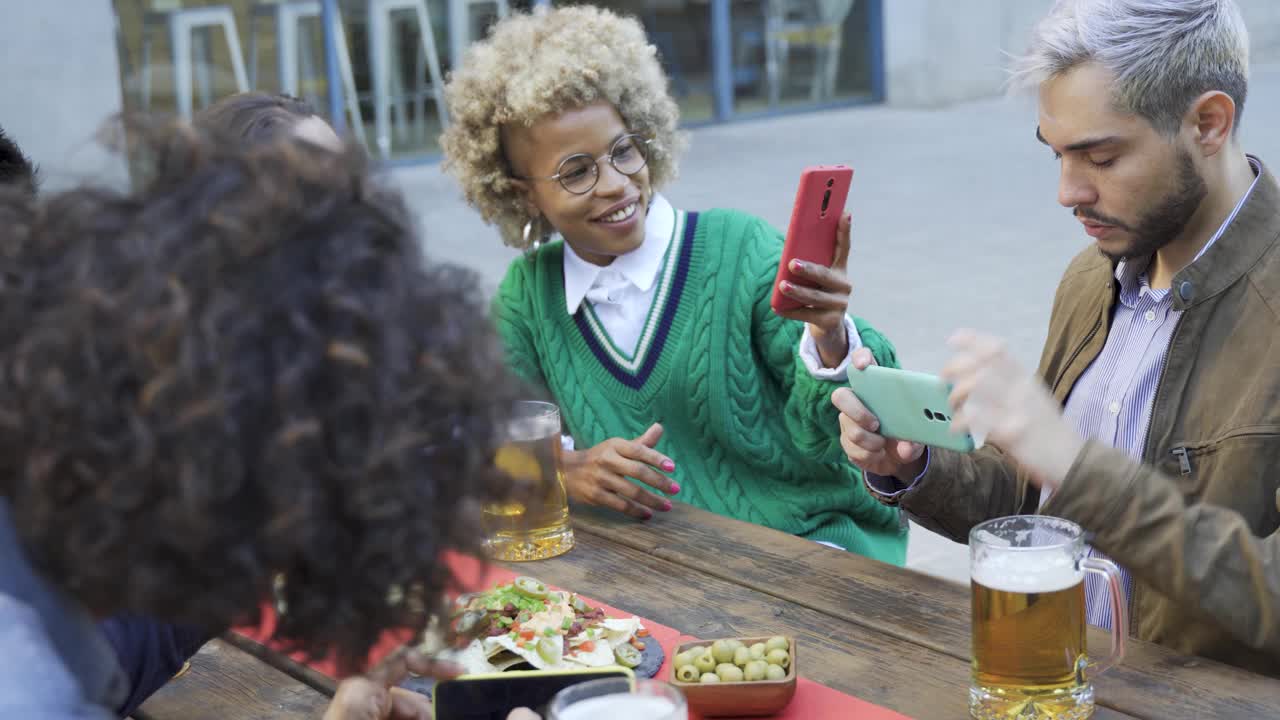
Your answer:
<point x="1196" y="522"/>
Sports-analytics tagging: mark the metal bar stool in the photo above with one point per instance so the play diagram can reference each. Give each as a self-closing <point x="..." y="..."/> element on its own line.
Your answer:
<point x="381" y="44"/>
<point x="292" y="50"/>
<point x="460" y="25"/>
<point x="187" y="28"/>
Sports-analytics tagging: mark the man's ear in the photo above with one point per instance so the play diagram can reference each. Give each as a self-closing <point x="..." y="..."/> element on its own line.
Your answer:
<point x="1213" y="119"/>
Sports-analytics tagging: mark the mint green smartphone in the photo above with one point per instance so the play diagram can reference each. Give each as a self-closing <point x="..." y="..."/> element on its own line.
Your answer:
<point x="910" y="406"/>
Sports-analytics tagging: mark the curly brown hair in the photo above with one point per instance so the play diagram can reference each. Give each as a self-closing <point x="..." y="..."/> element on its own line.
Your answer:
<point x="245" y="369"/>
<point x="537" y="64"/>
<point x="254" y="116"/>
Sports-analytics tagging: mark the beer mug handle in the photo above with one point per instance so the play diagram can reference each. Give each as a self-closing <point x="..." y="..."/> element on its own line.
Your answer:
<point x="1119" y="611"/>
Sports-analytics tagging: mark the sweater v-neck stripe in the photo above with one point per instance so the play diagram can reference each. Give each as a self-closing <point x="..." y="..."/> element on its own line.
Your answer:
<point x="630" y="361"/>
<point x="634" y="372"/>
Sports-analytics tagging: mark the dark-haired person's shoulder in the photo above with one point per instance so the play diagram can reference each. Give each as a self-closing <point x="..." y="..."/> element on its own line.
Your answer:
<point x="34" y="683"/>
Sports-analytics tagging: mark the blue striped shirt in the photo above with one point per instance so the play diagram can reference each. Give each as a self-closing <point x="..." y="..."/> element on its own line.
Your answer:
<point x="1111" y="402"/>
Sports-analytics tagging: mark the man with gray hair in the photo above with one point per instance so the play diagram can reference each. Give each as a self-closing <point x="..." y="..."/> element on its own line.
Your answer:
<point x="1154" y="420"/>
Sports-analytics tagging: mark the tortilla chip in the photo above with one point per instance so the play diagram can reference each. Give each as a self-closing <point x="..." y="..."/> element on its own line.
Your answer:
<point x="529" y="655"/>
<point x="505" y="660"/>
<point x="471" y="658"/>
<point x="601" y="656"/>
<point x="618" y="631"/>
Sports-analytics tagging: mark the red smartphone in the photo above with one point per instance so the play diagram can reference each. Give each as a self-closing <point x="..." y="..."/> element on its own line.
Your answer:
<point x="811" y="236"/>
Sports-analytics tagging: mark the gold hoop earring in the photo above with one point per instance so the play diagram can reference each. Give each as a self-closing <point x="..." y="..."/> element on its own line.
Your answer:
<point x="530" y="247"/>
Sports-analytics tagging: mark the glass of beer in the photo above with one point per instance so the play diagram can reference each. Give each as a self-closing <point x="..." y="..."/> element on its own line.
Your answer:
<point x="1029" y="654"/>
<point x="616" y="699"/>
<point x="533" y="524"/>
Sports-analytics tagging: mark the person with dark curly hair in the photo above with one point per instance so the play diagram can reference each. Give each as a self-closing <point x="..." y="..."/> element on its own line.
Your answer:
<point x="16" y="169"/>
<point x="240" y="381"/>
<point x="256" y="117"/>
<point x="152" y="652"/>
<point x="149" y="652"/>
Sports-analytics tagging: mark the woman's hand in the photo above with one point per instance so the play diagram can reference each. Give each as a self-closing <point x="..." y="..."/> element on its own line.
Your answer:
<point x="826" y="302"/>
<point x="598" y="476"/>
<point x="374" y="695"/>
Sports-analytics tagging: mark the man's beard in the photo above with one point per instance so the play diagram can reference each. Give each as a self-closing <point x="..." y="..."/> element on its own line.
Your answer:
<point x="1165" y="221"/>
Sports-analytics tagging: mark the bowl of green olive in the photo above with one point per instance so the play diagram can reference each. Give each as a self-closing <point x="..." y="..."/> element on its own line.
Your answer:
<point x="736" y="676"/>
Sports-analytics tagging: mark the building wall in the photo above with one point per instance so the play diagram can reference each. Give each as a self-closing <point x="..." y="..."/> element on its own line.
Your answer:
<point x="937" y="54"/>
<point x="58" y="82"/>
<point x="60" y="78"/>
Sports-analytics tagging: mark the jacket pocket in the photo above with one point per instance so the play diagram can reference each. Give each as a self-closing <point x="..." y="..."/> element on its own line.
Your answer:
<point x="1238" y="470"/>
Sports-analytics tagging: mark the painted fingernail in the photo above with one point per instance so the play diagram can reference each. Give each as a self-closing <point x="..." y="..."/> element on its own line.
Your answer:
<point x="797" y="266"/>
<point x="786" y="286"/>
<point x="666" y="506"/>
<point x="875" y="425"/>
<point x="668" y="466"/>
<point x="675" y="489"/>
<point x="648" y="514"/>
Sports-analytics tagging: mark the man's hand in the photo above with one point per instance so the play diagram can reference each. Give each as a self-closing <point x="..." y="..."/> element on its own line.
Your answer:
<point x="995" y="397"/>
<point x="824" y="304"/>
<point x="868" y="450"/>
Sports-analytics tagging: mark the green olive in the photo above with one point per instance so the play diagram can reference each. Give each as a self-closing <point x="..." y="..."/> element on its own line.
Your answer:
<point x="705" y="663"/>
<point x="709" y="678"/>
<point x="722" y="651"/>
<point x="627" y="656"/>
<point x="735" y="644"/>
<point x="781" y="658"/>
<point x="773" y="672"/>
<point x="684" y="659"/>
<point x="729" y="673"/>
<point x="758" y="652"/>
<point x="551" y="649"/>
<point x="531" y="587"/>
<point x="741" y="657"/>
<point x="777" y="643"/>
<point x="687" y="674"/>
<point x="756" y="670"/>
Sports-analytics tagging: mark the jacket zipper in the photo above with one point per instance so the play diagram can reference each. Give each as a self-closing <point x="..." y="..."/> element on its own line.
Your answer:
<point x="1184" y="453"/>
<point x="1184" y="458"/>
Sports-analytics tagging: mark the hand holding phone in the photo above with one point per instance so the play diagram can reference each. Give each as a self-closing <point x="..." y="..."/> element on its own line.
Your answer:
<point x="811" y="283"/>
<point x="908" y="406"/>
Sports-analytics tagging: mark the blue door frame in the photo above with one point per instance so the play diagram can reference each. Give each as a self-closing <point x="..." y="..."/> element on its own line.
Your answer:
<point x="721" y="68"/>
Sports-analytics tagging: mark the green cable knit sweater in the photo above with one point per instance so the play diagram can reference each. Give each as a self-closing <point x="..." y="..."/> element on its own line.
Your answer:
<point x="754" y="436"/>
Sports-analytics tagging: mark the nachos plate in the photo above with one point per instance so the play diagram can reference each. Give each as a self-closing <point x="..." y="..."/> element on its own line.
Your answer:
<point x="524" y="623"/>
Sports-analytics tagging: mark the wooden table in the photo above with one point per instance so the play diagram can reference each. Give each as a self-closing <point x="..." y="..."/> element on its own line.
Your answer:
<point x="888" y="635"/>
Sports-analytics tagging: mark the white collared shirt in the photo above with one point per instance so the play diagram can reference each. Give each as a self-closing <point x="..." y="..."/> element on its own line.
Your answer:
<point x="622" y="292"/>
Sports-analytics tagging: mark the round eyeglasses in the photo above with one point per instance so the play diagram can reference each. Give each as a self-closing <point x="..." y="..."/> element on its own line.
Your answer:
<point x="579" y="173"/>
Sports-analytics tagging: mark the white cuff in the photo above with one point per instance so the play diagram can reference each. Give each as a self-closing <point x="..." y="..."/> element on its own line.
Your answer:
<point x="566" y="443"/>
<point x="813" y="361"/>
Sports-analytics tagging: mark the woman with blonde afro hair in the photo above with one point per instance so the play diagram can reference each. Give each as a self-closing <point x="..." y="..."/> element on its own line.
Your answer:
<point x="650" y="326"/>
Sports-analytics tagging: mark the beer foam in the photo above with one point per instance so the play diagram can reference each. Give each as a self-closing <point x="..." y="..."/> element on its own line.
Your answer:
<point x="622" y="706"/>
<point x="529" y="429"/>
<point x="1027" y="571"/>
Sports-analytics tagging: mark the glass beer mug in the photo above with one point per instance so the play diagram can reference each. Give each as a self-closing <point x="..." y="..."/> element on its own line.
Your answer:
<point x="534" y="523"/>
<point x="619" y="699"/>
<point x="1029" y="653"/>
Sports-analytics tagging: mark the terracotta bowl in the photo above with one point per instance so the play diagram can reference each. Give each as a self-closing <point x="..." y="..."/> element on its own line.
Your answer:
<point x="739" y="699"/>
